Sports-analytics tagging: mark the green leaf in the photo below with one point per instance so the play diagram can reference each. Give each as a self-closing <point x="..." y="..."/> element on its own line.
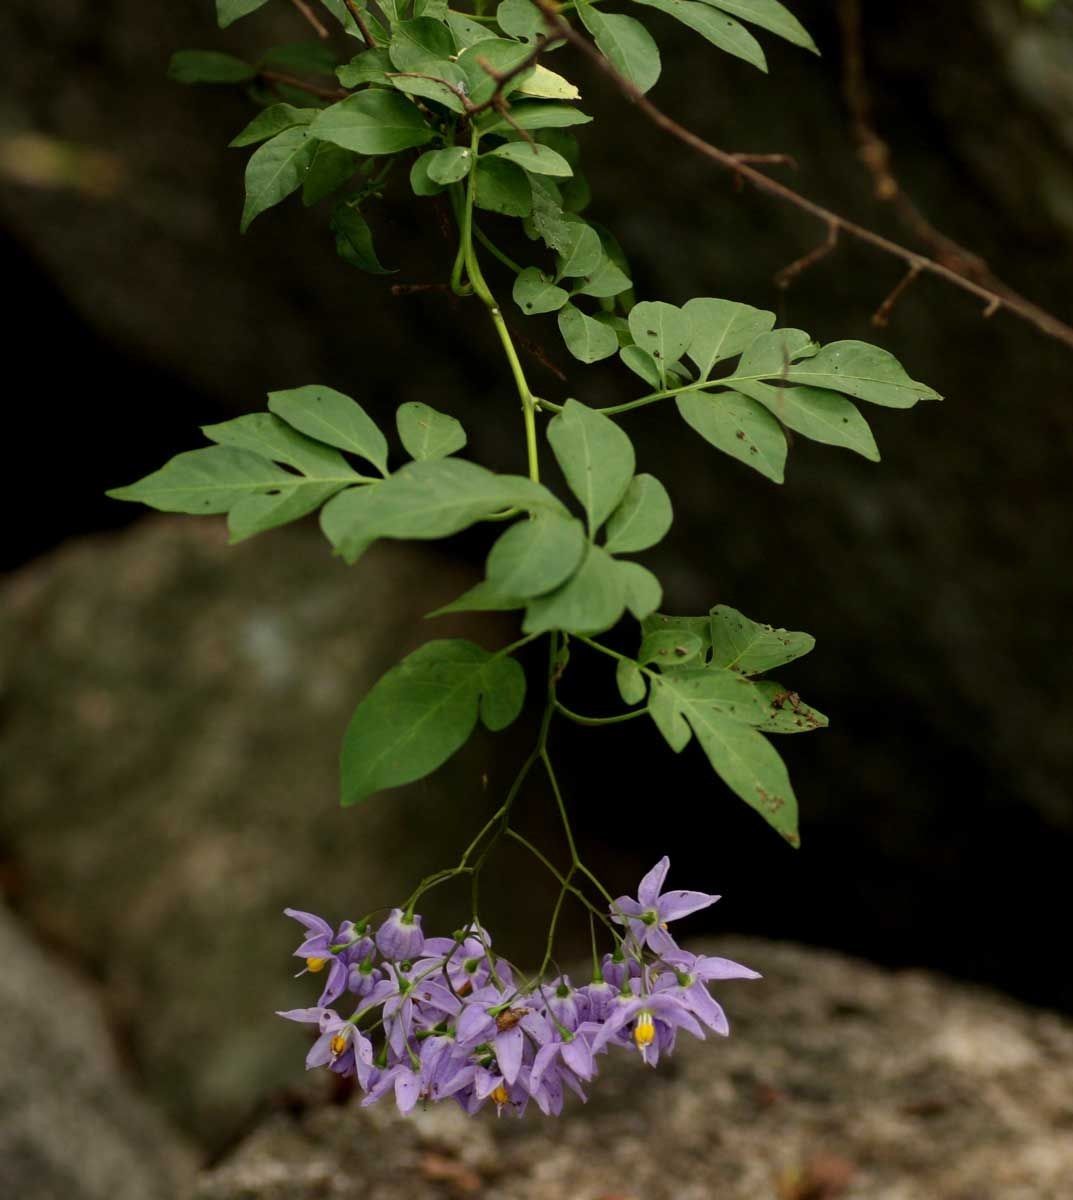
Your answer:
<point x="535" y="555"/>
<point x="582" y="253"/>
<point x="370" y="66"/>
<point x="354" y="241"/>
<point x="670" y="648"/>
<point x="661" y="329"/>
<point x="449" y="165"/>
<point x="722" y="329"/>
<point x="267" y="435"/>
<point x="468" y="32"/>
<point x="503" y="188"/>
<point x="329" y="416"/>
<point x="769" y="15"/>
<point x="427" y="433"/>
<point x="372" y="122"/>
<point x="271" y="121"/>
<point x="596" y="458"/>
<point x="420" y="181"/>
<point x="772" y="354"/>
<point x="590" y="602"/>
<point x="535" y="293"/>
<point x="549" y="222"/>
<point x="785" y="711"/>
<point x="820" y="415"/>
<point x="313" y="58"/>
<point x="441" y="81"/>
<point x="548" y="85"/>
<point x="703" y="701"/>
<point x="209" y="66"/>
<point x="641" y="363"/>
<point x="520" y="19"/>
<point x="625" y="43"/>
<point x="607" y="281"/>
<point x="502" y="55"/>
<point x="860" y="370"/>
<point x="330" y="168"/>
<point x="210" y="480"/>
<point x="739" y="427"/>
<point x="482" y="597"/>
<point x="534" y="157"/>
<point x="422" y="711"/>
<point x="229" y="11"/>
<point x="414" y="43"/>
<point x="642" y="517"/>
<point x="275" y="170"/>
<point x="722" y="31"/>
<point x="750" y="648"/>
<point x="586" y="338"/>
<point x="644" y="593"/>
<point x="535" y="114"/>
<point x="699" y="627"/>
<point x="631" y="683"/>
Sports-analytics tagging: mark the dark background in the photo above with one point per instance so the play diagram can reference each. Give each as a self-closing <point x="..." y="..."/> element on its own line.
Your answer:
<point x="938" y="808"/>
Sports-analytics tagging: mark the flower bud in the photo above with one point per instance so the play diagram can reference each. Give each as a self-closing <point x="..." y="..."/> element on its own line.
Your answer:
<point x="399" y="938"/>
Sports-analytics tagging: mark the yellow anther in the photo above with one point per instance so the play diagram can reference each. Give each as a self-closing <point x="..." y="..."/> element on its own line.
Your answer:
<point x="316" y="964"/>
<point x="644" y="1032"/>
<point x="338" y="1044"/>
<point x="500" y="1096"/>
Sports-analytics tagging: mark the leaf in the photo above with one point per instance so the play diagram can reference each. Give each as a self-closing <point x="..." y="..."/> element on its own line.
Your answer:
<point x="607" y="281"/>
<point x="769" y="15"/>
<point x="586" y="338"/>
<point x="535" y="555"/>
<point x="370" y="66"/>
<point x="427" y="433"/>
<point x="275" y="170"/>
<point x="503" y="188"/>
<point x="863" y="371"/>
<point x="414" y="43"/>
<point x="704" y="701"/>
<point x="642" y="517"/>
<point x="534" y="157"/>
<point x="549" y="222"/>
<point x="625" y="43"/>
<point x="535" y="114"/>
<point x="354" y="241"/>
<point x="750" y="648"/>
<point x="596" y="458"/>
<point x="661" y="329"/>
<point x="209" y="66"/>
<point x="372" y="122"/>
<point x="641" y="363"/>
<point x="439" y="80"/>
<point x="644" y="593"/>
<point x="420" y="182"/>
<point x="535" y="293"/>
<point x="271" y="121"/>
<point x="422" y="711"/>
<point x="449" y="165"/>
<point x="582" y="253"/>
<point x="773" y="353"/>
<point x="548" y="85"/>
<point x="820" y="415"/>
<point x="700" y="627"/>
<point x="210" y="480"/>
<point x="482" y="597"/>
<point x="520" y="19"/>
<point x="314" y="58"/>
<point x="739" y="427"/>
<point x="590" y="602"/>
<point x="502" y="55"/>
<point x="329" y="416"/>
<point x="722" y="31"/>
<point x="267" y="435"/>
<point x="670" y="648"/>
<point x="786" y="712"/>
<point x="468" y="32"/>
<point x="330" y="167"/>
<point x="631" y="683"/>
<point x="722" y="329"/>
<point x="229" y="11"/>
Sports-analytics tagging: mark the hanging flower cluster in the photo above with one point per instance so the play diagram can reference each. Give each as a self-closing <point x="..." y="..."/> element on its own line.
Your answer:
<point x="440" y="1017"/>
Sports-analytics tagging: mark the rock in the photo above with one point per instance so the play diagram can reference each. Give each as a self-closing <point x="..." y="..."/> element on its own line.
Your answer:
<point x="175" y="708"/>
<point x="71" y="1126"/>
<point x="839" y="1080"/>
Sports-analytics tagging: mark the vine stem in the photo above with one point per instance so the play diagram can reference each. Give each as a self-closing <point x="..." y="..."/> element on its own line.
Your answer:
<point x="701" y="385"/>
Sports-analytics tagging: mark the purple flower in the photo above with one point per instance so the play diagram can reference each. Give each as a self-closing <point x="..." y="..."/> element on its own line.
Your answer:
<point x="318" y="954"/>
<point x="484" y="1019"/>
<point x="652" y="910"/>
<point x="399" y="938"/>
<point x="659" y="1013"/>
<point x="406" y="1082"/>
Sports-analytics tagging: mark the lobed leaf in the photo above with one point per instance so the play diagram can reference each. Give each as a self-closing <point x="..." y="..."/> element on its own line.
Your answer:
<point x="740" y="644"/>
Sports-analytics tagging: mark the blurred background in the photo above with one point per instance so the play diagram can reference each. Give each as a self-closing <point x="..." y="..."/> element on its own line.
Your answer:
<point x="172" y="708"/>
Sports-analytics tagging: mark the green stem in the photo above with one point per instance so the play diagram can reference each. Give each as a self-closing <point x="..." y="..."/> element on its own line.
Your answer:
<point x="495" y="251"/>
<point x="653" y="397"/>
<point x="578" y="719"/>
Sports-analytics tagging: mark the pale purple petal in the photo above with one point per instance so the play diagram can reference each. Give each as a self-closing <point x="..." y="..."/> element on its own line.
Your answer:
<point x="509" y="1046"/>
<point x="407" y="1090"/>
<point x="311" y="921"/>
<point x="709" y="968"/>
<point x="578" y="1057"/>
<point x="649" y="888"/>
<point x="673" y="905"/>
<point x="544" y="1058"/>
<point x="308" y="1016"/>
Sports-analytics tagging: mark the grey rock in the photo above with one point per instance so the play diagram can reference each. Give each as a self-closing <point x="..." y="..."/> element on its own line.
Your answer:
<point x="838" y="1080"/>
<point x="71" y="1126"/>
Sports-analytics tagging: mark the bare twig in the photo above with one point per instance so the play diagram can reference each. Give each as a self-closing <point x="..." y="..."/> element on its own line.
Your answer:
<point x="776" y="160"/>
<point x="362" y="24"/>
<point x="1044" y="321"/>
<point x="303" y="85"/>
<point x="882" y="314"/>
<point x="788" y="274"/>
<point x="311" y="18"/>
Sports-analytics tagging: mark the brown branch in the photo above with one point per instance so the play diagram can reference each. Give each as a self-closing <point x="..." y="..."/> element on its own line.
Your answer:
<point x="777" y="160"/>
<point x="787" y="275"/>
<point x="303" y="85"/>
<point x="1044" y="321"/>
<point x="882" y="314"/>
<point x="362" y="24"/>
<point x="311" y="18"/>
<point x="502" y="78"/>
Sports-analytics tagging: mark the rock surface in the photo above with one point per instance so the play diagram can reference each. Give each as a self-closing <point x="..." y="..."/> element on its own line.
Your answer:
<point x="839" y="1081"/>
<point x="174" y="712"/>
<point x="71" y="1127"/>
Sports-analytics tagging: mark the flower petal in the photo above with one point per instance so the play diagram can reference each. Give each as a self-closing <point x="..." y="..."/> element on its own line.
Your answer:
<point x="649" y="888"/>
<point x="509" y="1047"/>
<point x="673" y="905"/>
<point x="708" y="968"/>
<point x="311" y="921"/>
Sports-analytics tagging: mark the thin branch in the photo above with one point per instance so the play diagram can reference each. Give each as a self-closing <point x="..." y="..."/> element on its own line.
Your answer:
<point x="882" y="314"/>
<point x="775" y="160"/>
<point x="788" y="274"/>
<point x="362" y="24"/>
<point x="502" y="78"/>
<point x="303" y="85"/>
<point x="1044" y="321"/>
<point x="311" y="18"/>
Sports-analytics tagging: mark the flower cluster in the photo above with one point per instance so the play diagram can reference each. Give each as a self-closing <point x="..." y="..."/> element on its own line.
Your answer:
<point x="443" y="1017"/>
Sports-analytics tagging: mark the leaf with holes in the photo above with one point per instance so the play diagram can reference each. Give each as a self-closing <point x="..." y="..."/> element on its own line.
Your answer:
<point x="535" y="293"/>
<point x="746" y="646"/>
